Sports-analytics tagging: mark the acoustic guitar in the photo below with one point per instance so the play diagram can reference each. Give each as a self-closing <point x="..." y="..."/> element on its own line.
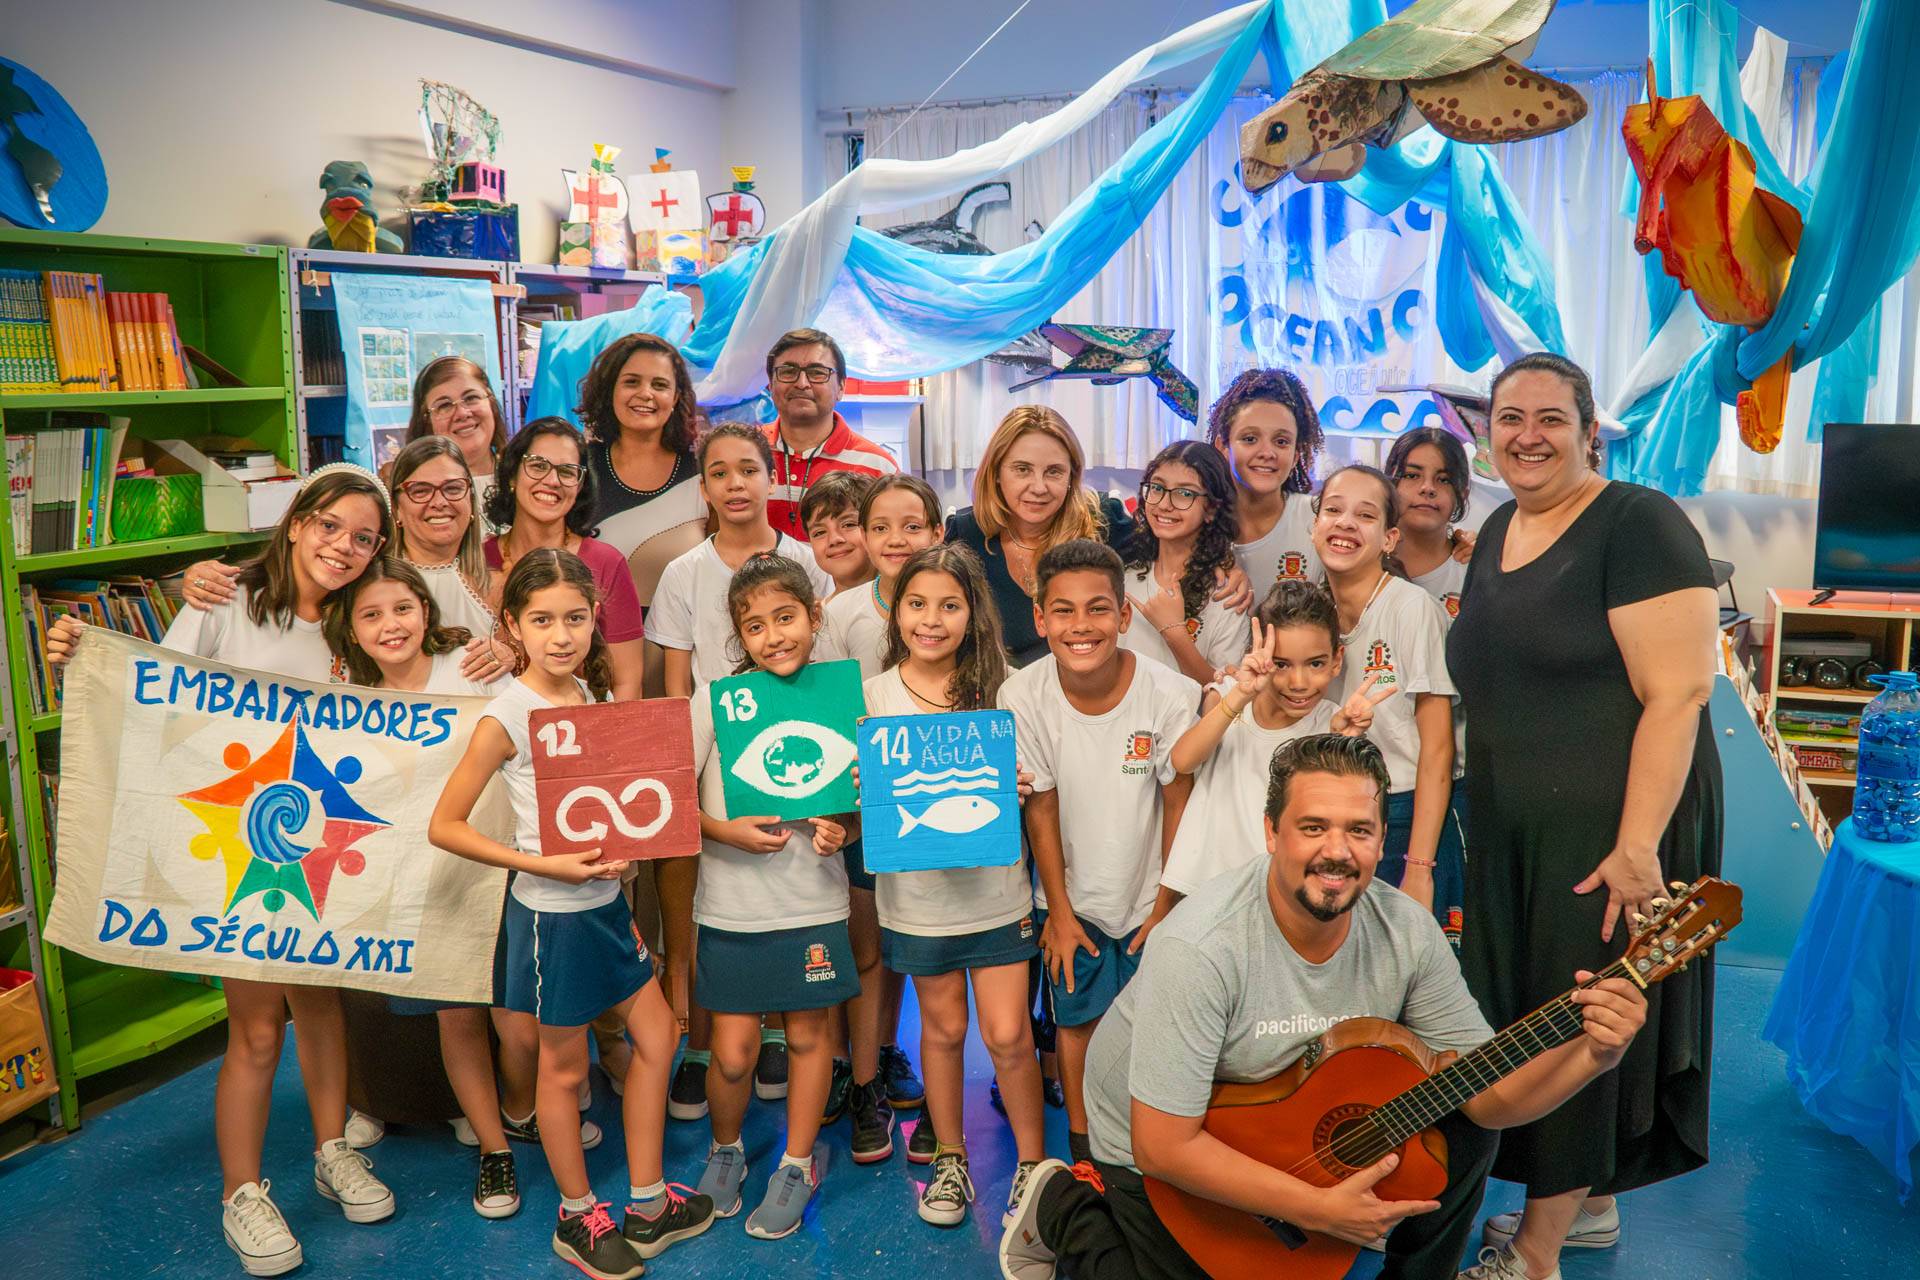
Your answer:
<point x="1369" y="1087"/>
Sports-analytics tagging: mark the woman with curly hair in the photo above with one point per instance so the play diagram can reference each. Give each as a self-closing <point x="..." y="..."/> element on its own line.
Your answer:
<point x="641" y="420"/>
<point x="1265" y="426"/>
<point x="1183" y="536"/>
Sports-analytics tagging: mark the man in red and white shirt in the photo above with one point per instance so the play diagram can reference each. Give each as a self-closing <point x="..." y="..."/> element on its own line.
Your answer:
<point x="805" y="374"/>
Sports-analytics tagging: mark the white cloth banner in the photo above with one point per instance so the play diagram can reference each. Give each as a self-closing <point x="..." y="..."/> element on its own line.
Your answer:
<point x="241" y="825"/>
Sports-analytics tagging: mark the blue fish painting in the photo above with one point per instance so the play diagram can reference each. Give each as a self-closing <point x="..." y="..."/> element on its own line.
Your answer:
<point x="938" y="792"/>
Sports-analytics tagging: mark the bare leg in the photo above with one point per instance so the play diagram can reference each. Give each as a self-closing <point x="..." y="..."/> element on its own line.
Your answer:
<point x="674" y="880"/>
<point x="810" y="1072"/>
<point x="1000" y="1000"/>
<point x="863" y="1010"/>
<point x="519" y="1056"/>
<point x="943" y="1038"/>
<point x="655" y="1033"/>
<point x="893" y="990"/>
<point x="1073" y="1072"/>
<point x="1543" y="1230"/>
<point x="320" y="1038"/>
<point x="563" y="1065"/>
<point x="468" y="1059"/>
<point x="736" y="1047"/>
<point x="243" y="1095"/>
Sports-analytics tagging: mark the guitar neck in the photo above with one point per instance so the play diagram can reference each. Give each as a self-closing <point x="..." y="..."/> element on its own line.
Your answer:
<point x="1555" y="1023"/>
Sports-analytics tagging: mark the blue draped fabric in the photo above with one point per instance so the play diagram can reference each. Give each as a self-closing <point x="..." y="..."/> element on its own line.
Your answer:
<point x="1862" y="234"/>
<point x="567" y="347"/>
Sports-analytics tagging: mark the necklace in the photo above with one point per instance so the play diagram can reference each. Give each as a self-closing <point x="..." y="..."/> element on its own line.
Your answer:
<point x="932" y="702"/>
<point x="879" y="603"/>
<point x="1346" y="638"/>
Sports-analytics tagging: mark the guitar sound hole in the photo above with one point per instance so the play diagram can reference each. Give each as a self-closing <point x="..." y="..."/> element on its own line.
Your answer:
<point x="1346" y="1140"/>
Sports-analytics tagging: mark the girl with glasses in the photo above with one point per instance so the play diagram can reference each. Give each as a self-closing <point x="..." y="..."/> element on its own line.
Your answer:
<point x="544" y="496"/>
<point x="1183" y="539"/>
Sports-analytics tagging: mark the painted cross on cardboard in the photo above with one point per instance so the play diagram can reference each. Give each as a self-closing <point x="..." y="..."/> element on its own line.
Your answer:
<point x="617" y="776"/>
<point x="939" y="791"/>
<point x="786" y="742"/>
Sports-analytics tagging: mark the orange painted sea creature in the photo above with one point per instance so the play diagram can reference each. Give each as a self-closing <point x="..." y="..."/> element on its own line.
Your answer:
<point x="1720" y="234"/>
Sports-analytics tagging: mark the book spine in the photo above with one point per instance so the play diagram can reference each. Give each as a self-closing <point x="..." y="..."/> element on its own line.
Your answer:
<point x="170" y="355"/>
<point x="97" y="332"/>
<point x="117" y="331"/>
<point x="142" y="338"/>
<point x="56" y="312"/>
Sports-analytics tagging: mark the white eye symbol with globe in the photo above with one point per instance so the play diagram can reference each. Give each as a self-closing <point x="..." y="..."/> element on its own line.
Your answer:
<point x="794" y="759"/>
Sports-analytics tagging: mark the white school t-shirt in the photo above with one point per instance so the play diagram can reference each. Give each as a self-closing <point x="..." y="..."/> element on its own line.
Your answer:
<point x="1222" y="828"/>
<point x="1444" y="584"/>
<point x="1285" y="553"/>
<point x="743" y="892"/>
<point x="1221" y="639"/>
<point x="446" y="677"/>
<point x="689" y="609"/>
<point x="853" y="627"/>
<point x="1108" y="770"/>
<point x="1403" y="637"/>
<point x="459" y="605"/>
<point x="536" y="893"/>
<point x="226" y="634"/>
<point x="942" y="904"/>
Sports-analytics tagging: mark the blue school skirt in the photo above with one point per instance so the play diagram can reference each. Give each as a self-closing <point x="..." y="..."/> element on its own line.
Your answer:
<point x="566" y="968"/>
<point x="779" y="971"/>
<point x="925" y="957"/>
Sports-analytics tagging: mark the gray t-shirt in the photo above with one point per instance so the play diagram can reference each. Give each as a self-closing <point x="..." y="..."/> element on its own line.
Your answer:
<point x="1221" y="995"/>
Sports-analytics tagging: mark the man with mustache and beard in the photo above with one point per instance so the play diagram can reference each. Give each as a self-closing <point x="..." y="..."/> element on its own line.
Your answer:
<point x="1236" y="982"/>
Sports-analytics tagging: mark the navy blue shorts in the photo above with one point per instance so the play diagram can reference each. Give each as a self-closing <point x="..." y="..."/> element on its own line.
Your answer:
<point x="858" y="876"/>
<point x="566" y="968"/>
<point x="928" y="957"/>
<point x="1450" y="871"/>
<point x="1097" y="980"/>
<point x="779" y="971"/>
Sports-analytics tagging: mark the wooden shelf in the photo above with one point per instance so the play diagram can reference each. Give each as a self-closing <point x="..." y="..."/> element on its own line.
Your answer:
<point x="114" y="551"/>
<point x="132" y="399"/>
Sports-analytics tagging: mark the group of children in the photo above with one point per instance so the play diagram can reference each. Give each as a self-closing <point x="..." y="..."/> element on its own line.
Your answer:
<point x="1143" y="736"/>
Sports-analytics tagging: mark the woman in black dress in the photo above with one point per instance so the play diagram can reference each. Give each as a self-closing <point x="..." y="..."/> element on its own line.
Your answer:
<point x="1584" y="656"/>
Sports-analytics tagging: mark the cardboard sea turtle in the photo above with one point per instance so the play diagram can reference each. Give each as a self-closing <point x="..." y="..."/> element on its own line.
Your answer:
<point x="1440" y="62"/>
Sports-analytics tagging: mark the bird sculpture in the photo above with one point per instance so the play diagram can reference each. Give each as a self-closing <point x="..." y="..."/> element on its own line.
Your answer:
<point x="1438" y="62"/>
<point x="1725" y="238"/>
<point x="347" y="218"/>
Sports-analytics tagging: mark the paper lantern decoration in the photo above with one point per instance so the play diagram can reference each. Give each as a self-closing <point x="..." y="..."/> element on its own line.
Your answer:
<point x="939" y="791"/>
<point x="618" y="777"/>
<point x="786" y="742"/>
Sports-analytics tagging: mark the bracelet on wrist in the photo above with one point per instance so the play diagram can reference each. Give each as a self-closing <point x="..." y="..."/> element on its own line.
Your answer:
<point x="1429" y="863"/>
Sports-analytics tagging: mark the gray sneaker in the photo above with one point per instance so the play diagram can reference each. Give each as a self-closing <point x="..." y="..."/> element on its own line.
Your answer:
<point x="1589" y="1230"/>
<point x="1023" y="1254"/>
<point x="1021" y="1173"/>
<point x="725" y="1172"/>
<point x="1501" y="1264"/>
<point x="788" y="1193"/>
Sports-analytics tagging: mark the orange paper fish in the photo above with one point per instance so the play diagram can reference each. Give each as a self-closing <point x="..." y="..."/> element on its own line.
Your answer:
<point x="1720" y="234"/>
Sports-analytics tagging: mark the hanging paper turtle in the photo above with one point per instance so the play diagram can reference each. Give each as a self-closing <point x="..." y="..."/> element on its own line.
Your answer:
<point x="1437" y="62"/>
<point x="1106" y="354"/>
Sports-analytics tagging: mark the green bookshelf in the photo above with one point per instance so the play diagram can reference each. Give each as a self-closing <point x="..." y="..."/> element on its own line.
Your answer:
<point x="232" y="302"/>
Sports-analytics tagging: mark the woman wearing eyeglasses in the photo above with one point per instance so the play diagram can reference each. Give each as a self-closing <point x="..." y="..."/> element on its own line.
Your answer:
<point x="543" y="496"/>
<point x="1183" y="541"/>
<point x="453" y="397"/>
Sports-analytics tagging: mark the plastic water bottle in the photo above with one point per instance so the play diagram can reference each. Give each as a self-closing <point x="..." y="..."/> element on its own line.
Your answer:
<point x="1886" y="804"/>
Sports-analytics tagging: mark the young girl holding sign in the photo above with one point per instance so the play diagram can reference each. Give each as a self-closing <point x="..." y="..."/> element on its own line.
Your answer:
<point x="572" y="950"/>
<point x="771" y="915"/>
<point x="1393" y="637"/>
<point x="335" y="527"/>
<point x="944" y="927"/>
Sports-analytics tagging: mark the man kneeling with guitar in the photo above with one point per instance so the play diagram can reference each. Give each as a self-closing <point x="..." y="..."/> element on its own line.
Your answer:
<point x="1243" y="978"/>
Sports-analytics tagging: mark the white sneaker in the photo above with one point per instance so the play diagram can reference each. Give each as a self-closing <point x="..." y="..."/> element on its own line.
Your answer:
<point x="1023" y="1254"/>
<point x="364" y="1130"/>
<point x="345" y="1177"/>
<point x="255" y="1230"/>
<point x="1589" y="1230"/>
<point x="463" y="1132"/>
<point x="1502" y="1264"/>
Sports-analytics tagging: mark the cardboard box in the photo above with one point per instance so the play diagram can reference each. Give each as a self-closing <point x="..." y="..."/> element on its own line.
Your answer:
<point x="229" y="505"/>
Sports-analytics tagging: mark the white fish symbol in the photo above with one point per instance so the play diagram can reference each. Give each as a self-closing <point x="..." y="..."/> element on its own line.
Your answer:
<point x="955" y="815"/>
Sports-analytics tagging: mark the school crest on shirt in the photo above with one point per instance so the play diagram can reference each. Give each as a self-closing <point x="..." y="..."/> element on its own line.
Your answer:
<point x="819" y="963"/>
<point x="1193" y="628"/>
<point x="1451" y="603"/>
<point x="1139" y="755"/>
<point x="1380" y="663"/>
<point x="1026" y="928"/>
<point x="1293" y="567"/>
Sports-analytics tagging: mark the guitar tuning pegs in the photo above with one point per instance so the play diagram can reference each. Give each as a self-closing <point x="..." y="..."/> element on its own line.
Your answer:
<point x="1678" y="886"/>
<point x="1639" y="921"/>
<point x="1661" y="904"/>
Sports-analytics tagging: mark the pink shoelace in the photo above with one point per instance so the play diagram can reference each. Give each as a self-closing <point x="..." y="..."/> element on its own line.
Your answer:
<point x="677" y="1193"/>
<point x="597" y="1221"/>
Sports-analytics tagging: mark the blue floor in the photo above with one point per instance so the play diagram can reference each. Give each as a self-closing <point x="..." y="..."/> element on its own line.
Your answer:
<point x="136" y="1193"/>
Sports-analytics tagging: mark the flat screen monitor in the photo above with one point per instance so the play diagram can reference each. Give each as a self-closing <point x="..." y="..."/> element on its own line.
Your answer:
<point x="1867" y="534"/>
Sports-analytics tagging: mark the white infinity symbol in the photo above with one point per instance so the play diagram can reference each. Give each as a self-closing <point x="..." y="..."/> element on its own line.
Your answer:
<point x="615" y="810"/>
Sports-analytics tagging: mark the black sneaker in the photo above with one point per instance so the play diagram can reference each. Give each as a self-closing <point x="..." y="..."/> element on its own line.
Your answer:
<point x="592" y="1243"/>
<point x="904" y="1090"/>
<point x="872" y="1122"/>
<point x="838" y="1090"/>
<point x="687" y="1214"/>
<point x="528" y="1130"/>
<point x="496" y="1192"/>
<point x="770" y="1072"/>
<point x="687" y="1095"/>
<point x="1054" y="1092"/>
<point x="921" y="1145"/>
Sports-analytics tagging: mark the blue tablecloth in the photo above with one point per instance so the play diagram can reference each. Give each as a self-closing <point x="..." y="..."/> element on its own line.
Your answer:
<point x="1848" y="1009"/>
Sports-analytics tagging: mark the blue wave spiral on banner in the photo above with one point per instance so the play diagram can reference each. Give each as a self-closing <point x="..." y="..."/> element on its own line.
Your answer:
<point x="279" y="809"/>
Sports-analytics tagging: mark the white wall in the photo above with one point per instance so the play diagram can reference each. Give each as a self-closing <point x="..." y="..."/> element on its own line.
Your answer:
<point x="770" y="118"/>
<point x="215" y="117"/>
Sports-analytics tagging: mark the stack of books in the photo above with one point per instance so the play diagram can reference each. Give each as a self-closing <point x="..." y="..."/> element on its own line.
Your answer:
<point x="137" y="606"/>
<point x="60" y="482"/>
<point x="64" y="331"/>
